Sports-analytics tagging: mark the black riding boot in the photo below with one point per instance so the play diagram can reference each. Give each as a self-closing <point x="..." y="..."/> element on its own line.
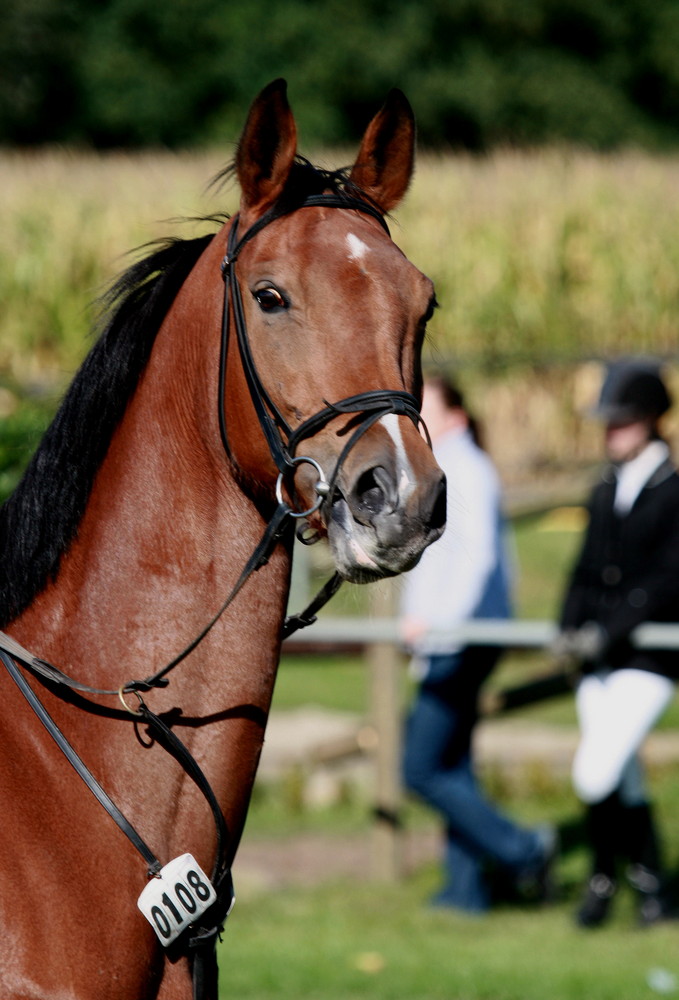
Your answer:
<point x="645" y="866"/>
<point x="603" y="829"/>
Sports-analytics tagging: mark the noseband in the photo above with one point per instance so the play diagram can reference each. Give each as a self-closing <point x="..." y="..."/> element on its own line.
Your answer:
<point x="281" y="439"/>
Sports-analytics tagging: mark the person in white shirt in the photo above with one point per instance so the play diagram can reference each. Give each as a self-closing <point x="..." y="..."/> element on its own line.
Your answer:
<point x="627" y="573"/>
<point x="464" y="575"/>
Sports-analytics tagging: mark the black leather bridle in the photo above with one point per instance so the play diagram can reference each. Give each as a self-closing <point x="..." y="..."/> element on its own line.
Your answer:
<point x="281" y="438"/>
<point x="282" y="441"/>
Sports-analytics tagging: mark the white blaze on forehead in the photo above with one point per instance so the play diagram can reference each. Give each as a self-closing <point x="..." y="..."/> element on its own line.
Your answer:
<point x="357" y="248"/>
<point x="406" y="478"/>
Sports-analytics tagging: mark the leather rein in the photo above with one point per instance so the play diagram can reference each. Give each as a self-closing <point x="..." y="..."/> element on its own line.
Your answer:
<point x="282" y="441"/>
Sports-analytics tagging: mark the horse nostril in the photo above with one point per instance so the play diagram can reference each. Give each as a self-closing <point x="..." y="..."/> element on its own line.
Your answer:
<point x="369" y="493"/>
<point x="437" y="518"/>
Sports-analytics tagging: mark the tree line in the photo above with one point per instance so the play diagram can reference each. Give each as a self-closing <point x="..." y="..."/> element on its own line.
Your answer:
<point x="480" y="73"/>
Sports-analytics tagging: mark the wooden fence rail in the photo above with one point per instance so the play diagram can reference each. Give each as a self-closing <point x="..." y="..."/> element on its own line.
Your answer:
<point x="378" y="636"/>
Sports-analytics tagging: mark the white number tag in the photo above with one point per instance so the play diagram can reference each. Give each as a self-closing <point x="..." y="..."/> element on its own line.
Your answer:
<point x="176" y="898"/>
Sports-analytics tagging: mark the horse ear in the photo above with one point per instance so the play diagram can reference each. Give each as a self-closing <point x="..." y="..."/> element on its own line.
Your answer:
<point x="386" y="158"/>
<point x="266" y="150"/>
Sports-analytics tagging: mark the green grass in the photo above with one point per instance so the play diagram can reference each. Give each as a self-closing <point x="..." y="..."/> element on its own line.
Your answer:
<point x="544" y="558"/>
<point x="333" y="682"/>
<point x="343" y="939"/>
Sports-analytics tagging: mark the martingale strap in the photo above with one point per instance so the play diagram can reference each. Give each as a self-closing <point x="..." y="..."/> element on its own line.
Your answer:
<point x="293" y="623"/>
<point x="207" y="928"/>
<point x="83" y="771"/>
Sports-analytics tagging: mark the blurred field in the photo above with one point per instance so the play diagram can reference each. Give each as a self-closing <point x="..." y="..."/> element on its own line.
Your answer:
<point x="542" y="257"/>
<point x="542" y="261"/>
<point x="68" y="220"/>
<point x="551" y="256"/>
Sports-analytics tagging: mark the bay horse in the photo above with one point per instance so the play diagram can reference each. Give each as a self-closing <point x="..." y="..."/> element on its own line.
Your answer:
<point x="268" y="370"/>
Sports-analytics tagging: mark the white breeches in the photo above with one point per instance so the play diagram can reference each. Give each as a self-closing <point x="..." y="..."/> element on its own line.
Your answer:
<point x="616" y="711"/>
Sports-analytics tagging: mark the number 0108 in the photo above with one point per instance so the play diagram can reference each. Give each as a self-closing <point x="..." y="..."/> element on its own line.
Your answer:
<point x="176" y="898"/>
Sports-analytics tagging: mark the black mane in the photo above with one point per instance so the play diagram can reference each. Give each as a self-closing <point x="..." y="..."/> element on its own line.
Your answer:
<point x="39" y="521"/>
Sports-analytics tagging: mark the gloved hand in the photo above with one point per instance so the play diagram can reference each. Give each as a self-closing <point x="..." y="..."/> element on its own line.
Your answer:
<point x="583" y="644"/>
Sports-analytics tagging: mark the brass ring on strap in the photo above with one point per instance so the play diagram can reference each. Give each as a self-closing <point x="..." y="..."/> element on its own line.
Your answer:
<point x="128" y="708"/>
<point x="322" y="486"/>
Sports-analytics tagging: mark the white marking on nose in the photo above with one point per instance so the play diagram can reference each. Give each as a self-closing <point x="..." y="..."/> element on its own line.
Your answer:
<point x="406" y="479"/>
<point x="357" y="248"/>
<point x="361" y="556"/>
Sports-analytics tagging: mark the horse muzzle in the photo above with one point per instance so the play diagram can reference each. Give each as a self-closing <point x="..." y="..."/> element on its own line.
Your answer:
<point x="381" y="518"/>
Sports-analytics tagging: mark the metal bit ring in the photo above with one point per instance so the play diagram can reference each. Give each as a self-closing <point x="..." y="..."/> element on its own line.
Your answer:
<point x="322" y="486"/>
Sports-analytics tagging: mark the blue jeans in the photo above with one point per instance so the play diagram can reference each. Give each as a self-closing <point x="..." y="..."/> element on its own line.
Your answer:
<point x="438" y="767"/>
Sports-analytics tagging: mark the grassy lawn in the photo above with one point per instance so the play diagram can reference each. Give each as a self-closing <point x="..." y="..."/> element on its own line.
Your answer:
<point x="340" y="941"/>
<point x="345" y="939"/>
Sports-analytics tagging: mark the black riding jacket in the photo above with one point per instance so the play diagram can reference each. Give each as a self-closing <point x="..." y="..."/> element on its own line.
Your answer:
<point x="628" y="570"/>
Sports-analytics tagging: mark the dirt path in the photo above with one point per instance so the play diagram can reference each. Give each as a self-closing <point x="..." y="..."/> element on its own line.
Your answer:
<point x="309" y="859"/>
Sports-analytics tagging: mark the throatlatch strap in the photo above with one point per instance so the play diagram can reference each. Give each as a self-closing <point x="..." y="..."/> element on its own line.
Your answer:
<point x="202" y="938"/>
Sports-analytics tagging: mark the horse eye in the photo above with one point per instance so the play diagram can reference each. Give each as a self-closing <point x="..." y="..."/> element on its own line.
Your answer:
<point x="433" y="304"/>
<point x="269" y="299"/>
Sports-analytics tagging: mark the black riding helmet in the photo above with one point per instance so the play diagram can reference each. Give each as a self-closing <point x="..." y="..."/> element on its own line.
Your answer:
<point x="632" y="390"/>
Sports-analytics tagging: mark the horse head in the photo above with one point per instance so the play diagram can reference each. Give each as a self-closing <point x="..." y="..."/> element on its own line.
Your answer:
<point x="334" y="316"/>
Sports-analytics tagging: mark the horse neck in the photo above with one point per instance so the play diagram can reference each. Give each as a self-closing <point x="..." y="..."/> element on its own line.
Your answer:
<point x="166" y="531"/>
